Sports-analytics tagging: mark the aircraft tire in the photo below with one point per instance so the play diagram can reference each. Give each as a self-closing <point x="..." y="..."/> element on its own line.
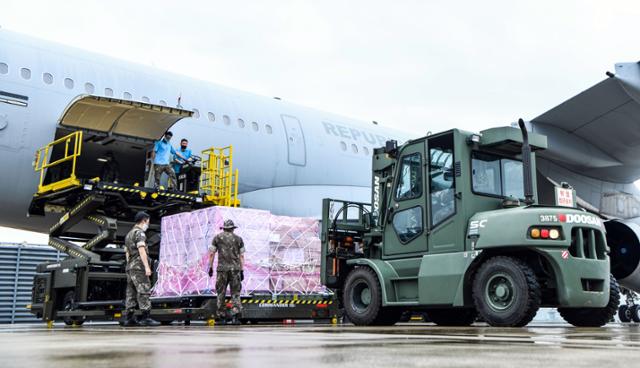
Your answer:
<point x="635" y="313"/>
<point x="506" y="292"/>
<point x="594" y="317"/>
<point x="624" y="314"/>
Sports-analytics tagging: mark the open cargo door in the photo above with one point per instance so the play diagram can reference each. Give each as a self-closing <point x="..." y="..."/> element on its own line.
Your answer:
<point x="113" y="116"/>
<point x="93" y="128"/>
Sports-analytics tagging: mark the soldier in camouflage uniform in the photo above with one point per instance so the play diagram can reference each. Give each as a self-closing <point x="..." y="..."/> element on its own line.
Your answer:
<point x="138" y="272"/>
<point x="230" y="248"/>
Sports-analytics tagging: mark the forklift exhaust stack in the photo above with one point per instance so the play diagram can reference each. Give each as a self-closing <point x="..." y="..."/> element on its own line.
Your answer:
<point x="526" y="164"/>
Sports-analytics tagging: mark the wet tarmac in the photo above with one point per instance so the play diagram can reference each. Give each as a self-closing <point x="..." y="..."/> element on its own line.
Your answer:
<point x="408" y="345"/>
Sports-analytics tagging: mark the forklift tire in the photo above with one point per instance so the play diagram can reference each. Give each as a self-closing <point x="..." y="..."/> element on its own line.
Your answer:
<point x="452" y="316"/>
<point x="595" y="317"/>
<point x="363" y="299"/>
<point x="67" y="302"/>
<point x="506" y="292"/>
<point x="624" y="314"/>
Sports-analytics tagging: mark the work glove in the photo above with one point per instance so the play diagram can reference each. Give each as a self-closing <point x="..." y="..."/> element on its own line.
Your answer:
<point x="241" y="275"/>
<point x="210" y="271"/>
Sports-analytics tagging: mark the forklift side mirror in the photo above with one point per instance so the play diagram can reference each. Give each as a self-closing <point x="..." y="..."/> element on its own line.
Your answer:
<point x="391" y="147"/>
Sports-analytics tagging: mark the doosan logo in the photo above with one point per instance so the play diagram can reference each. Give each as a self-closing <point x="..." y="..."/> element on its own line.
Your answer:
<point x="579" y="219"/>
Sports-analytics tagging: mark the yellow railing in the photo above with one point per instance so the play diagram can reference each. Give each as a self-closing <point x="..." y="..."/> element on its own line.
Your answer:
<point x="65" y="176"/>
<point x="218" y="180"/>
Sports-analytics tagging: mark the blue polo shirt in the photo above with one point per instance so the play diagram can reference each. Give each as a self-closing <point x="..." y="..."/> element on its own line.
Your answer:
<point x="163" y="150"/>
<point x="186" y="153"/>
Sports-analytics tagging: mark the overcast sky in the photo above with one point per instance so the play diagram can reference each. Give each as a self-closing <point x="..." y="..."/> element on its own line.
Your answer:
<point x="416" y="65"/>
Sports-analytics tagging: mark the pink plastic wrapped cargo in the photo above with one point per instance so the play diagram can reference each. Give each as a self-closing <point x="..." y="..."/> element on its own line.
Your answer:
<point x="183" y="266"/>
<point x="282" y="253"/>
<point x="295" y="255"/>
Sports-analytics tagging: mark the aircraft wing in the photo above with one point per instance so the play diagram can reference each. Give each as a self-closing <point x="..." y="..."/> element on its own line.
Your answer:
<point x="597" y="132"/>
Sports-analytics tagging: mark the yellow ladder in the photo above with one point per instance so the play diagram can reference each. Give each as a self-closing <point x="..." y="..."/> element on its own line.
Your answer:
<point x="218" y="180"/>
<point x="72" y="144"/>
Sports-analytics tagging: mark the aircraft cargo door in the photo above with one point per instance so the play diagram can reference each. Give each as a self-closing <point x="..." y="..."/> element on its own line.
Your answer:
<point x="297" y="150"/>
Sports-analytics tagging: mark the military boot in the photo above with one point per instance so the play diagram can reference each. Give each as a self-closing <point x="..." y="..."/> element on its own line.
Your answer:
<point x="129" y="319"/>
<point x="146" y="320"/>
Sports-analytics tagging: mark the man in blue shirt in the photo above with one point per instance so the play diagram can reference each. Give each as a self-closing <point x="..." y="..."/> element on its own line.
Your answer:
<point x="185" y="152"/>
<point x="161" y="155"/>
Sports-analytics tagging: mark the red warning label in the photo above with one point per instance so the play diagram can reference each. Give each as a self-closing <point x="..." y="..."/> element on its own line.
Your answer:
<point x="565" y="254"/>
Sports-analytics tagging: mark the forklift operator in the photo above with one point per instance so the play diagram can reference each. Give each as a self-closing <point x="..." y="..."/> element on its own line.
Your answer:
<point x="186" y="154"/>
<point x="138" y="271"/>
<point x="161" y="157"/>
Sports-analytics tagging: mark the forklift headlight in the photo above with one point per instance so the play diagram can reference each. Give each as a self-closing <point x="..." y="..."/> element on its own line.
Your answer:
<point x="554" y="234"/>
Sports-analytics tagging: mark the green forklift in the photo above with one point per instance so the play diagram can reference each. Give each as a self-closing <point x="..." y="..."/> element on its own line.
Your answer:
<point x="454" y="231"/>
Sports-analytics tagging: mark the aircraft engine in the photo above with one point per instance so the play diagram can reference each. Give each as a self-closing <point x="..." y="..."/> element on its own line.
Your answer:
<point x="623" y="237"/>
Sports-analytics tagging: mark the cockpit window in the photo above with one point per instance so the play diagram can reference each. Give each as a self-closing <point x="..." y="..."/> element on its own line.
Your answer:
<point x="496" y="176"/>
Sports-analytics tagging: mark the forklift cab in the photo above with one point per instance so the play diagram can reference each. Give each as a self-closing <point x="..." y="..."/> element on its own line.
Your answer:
<point x="98" y="135"/>
<point x="427" y="187"/>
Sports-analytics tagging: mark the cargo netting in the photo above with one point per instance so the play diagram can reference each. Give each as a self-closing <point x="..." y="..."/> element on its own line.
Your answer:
<point x="282" y="253"/>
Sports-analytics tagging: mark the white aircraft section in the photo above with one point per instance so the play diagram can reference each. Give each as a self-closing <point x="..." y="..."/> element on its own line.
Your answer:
<point x="289" y="157"/>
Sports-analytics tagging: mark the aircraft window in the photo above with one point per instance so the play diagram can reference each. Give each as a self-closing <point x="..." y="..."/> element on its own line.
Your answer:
<point x="162" y="102"/>
<point x="241" y="123"/>
<point x="441" y="179"/>
<point x="212" y="117"/>
<point x="408" y="223"/>
<point x="268" y="129"/>
<point x="254" y="125"/>
<point x="89" y="88"/>
<point x="343" y="146"/>
<point x="410" y="177"/>
<point x="354" y="148"/>
<point x="4" y="68"/>
<point x="365" y="150"/>
<point x="196" y="114"/>
<point x="47" y="78"/>
<point x="127" y="96"/>
<point x="68" y="82"/>
<point x="108" y="92"/>
<point x="25" y="73"/>
<point x="145" y="99"/>
<point x="226" y="120"/>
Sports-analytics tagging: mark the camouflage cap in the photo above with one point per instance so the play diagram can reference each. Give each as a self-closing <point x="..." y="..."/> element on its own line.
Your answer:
<point x="228" y="225"/>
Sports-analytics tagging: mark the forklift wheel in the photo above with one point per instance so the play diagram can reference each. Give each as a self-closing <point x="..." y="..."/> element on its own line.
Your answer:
<point x="363" y="299"/>
<point x="68" y="301"/>
<point x="506" y="292"/>
<point x="596" y="317"/>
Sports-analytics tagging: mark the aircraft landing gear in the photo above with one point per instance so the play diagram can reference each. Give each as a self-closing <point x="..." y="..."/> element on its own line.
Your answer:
<point x="629" y="312"/>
